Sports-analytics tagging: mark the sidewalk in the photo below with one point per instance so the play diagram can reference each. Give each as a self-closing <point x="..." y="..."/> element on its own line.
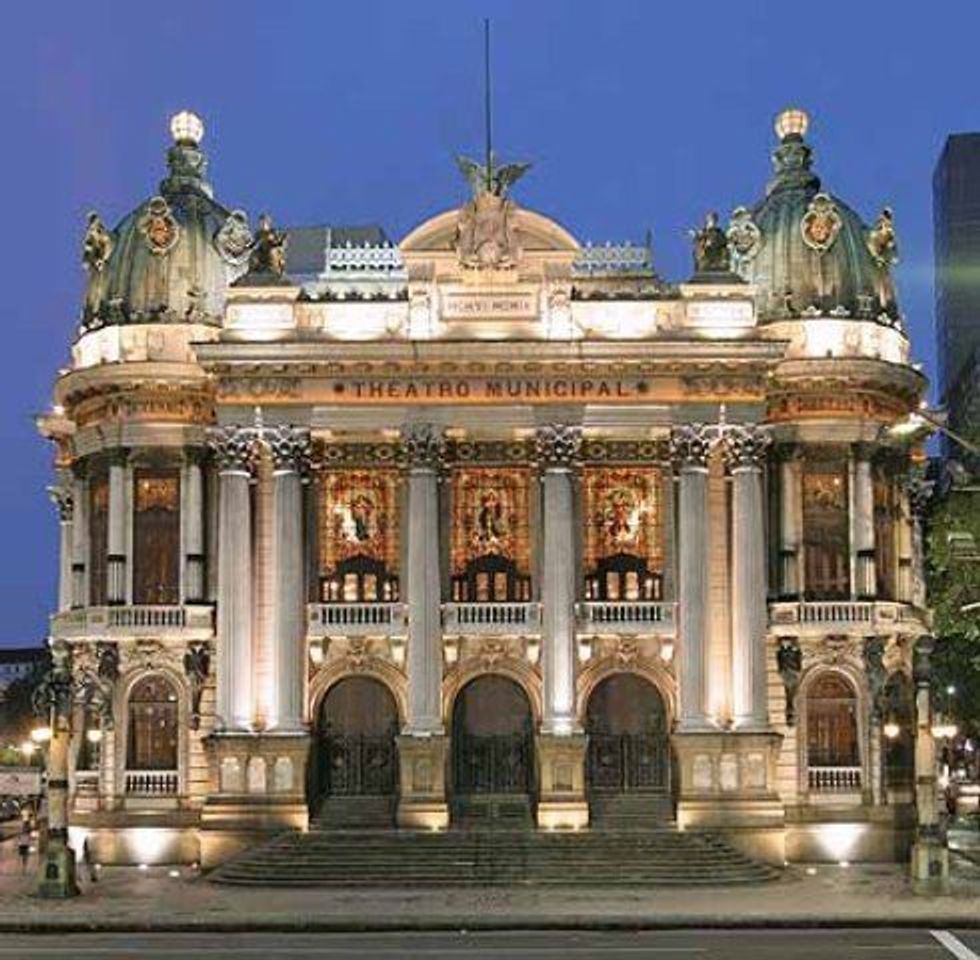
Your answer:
<point x="127" y="898"/>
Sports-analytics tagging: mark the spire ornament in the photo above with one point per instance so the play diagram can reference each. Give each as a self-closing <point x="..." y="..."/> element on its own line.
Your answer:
<point x="882" y="242"/>
<point x="97" y="244"/>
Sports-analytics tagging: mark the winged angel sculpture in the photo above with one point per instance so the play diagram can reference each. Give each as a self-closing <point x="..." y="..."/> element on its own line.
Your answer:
<point x="485" y="238"/>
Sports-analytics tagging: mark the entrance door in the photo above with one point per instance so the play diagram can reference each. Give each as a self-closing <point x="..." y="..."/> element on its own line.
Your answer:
<point x="493" y="750"/>
<point x="356" y="751"/>
<point x="629" y="749"/>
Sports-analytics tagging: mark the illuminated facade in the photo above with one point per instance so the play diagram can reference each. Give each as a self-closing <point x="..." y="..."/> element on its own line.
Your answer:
<point x="487" y="524"/>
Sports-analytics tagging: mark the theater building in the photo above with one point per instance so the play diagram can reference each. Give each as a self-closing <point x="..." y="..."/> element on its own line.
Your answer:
<point x="487" y="526"/>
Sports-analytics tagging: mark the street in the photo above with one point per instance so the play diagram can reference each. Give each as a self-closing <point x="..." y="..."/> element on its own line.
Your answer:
<point x="539" y="945"/>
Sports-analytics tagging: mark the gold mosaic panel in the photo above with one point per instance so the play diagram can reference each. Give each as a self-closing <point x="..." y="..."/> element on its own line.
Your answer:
<point x="358" y="517"/>
<point x="490" y="515"/>
<point x="623" y="514"/>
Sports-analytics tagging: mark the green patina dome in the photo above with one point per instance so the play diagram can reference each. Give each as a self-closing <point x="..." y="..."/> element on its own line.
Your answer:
<point x="807" y="252"/>
<point x="171" y="259"/>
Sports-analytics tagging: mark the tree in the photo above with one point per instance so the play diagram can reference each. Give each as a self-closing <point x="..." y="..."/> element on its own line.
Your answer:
<point x="953" y="584"/>
<point x="17" y="717"/>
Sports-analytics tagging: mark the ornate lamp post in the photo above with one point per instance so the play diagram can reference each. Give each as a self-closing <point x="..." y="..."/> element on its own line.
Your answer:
<point x="56" y="878"/>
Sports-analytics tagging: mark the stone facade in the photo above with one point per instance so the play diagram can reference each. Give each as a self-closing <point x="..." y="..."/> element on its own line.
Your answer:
<point x="392" y="489"/>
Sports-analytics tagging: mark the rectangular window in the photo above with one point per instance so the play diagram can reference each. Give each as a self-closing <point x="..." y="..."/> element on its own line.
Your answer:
<point x="156" y="537"/>
<point x="98" y="539"/>
<point x="885" y="509"/>
<point x="826" y="535"/>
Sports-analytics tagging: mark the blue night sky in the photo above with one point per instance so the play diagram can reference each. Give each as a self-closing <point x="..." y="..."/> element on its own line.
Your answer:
<point x="636" y="114"/>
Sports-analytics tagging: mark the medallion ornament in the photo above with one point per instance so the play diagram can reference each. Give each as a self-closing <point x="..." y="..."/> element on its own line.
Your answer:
<point x="96" y="245"/>
<point x="234" y="239"/>
<point x="882" y="242"/>
<point x="558" y="444"/>
<point x="744" y="237"/>
<point x="821" y="223"/>
<point x="159" y="228"/>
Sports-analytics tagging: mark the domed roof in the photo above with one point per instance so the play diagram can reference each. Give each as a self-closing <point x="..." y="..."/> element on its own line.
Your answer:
<point x="172" y="258"/>
<point x="806" y="250"/>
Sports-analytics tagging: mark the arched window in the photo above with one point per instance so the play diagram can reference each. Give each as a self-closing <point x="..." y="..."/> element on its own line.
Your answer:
<point x="833" y="757"/>
<point x="153" y="728"/>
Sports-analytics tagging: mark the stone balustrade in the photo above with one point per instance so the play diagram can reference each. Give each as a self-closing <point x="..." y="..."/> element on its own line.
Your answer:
<point x="857" y="616"/>
<point x="189" y="622"/>
<point x="152" y="783"/>
<point x="834" y="779"/>
<point x="356" y="619"/>
<point x="627" y="617"/>
<point x="491" y="618"/>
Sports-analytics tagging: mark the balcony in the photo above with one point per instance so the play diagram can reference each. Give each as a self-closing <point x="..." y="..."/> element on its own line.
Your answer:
<point x="500" y="619"/>
<point x="158" y="621"/>
<point x="846" y="616"/>
<point x="356" y="620"/>
<point x="630" y="617"/>
<point x="152" y="783"/>
<point x="834" y="779"/>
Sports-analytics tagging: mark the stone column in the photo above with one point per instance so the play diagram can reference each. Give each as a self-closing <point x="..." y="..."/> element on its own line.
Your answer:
<point x="930" y="856"/>
<point x="56" y="868"/>
<point x="291" y="449"/>
<point x="234" y="449"/>
<point x="745" y="450"/>
<point x="690" y="447"/>
<point x="865" y="585"/>
<point x="423" y="447"/>
<point x="118" y="522"/>
<point x="558" y="447"/>
<point x="193" y="521"/>
<point x="790" y="524"/>
<point x="79" y="542"/>
<point x="64" y="501"/>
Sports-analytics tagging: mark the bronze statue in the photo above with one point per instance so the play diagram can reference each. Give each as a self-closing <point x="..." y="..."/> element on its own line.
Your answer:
<point x="711" y="253"/>
<point x="96" y="245"/>
<point x="488" y="177"/>
<point x="882" y="242"/>
<point x="269" y="250"/>
<point x="485" y="237"/>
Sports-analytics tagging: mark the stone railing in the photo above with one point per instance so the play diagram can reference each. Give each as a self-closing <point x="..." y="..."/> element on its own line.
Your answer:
<point x="356" y="619"/>
<point x="491" y="618"/>
<point x="627" y="616"/>
<point x="152" y="783"/>
<point x="844" y="615"/>
<point x="188" y="622"/>
<point x="834" y="779"/>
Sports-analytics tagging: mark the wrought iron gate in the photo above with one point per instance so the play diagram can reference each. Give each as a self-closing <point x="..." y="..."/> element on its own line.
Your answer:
<point x="360" y="766"/>
<point x="492" y="763"/>
<point x="628" y="762"/>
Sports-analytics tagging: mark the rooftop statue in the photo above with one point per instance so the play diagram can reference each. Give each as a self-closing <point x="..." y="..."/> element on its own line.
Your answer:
<point x="269" y="250"/>
<point x="882" y="242"/>
<point x="97" y="245"/>
<point x="485" y="237"/>
<point x="711" y="253"/>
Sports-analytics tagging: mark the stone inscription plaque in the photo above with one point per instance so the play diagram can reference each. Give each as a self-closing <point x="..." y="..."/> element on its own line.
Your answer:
<point x="488" y="390"/>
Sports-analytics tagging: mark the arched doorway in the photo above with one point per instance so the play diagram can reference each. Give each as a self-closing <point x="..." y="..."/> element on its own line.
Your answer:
<point x="833" y="755"/>
<point x="628" y="741"/>
<point x="355" y="754"/>
<point x="493" y="751"/>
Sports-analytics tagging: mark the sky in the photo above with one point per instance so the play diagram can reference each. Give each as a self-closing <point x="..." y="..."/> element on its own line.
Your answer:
<point x="637" y="115"/>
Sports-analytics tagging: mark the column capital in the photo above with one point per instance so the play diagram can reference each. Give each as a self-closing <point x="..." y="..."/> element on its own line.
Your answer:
<point x="558" y="444"/>
<point x="745" y="446"/>
<point x="691" y="444"/>
<point x="423" y="445"/>
<point x="234" y="448"/>
<point x="64" y="502"/>
<point x="291" y="448"/>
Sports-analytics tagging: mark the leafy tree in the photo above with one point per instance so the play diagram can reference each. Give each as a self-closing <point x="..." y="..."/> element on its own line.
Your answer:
<point x="953" y="583"/>
<point x="17" y="717"/>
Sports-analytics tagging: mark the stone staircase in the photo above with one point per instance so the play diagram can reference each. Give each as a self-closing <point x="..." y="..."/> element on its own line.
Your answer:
<point x="660" y="856"/>
<point x="355" y="813"/>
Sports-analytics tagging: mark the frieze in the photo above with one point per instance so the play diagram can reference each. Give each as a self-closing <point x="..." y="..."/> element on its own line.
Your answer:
<point x="255" y="387"/>
<point x="558" y="444"/>
<point x="626" y="451"/>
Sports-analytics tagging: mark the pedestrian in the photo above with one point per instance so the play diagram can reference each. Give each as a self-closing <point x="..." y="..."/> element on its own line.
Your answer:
<point x="89" y="862"/>
<point x="24" y="849"/>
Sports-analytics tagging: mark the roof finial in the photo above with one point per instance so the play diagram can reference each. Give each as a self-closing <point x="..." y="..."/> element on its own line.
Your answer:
<point x="487" y="177"/>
